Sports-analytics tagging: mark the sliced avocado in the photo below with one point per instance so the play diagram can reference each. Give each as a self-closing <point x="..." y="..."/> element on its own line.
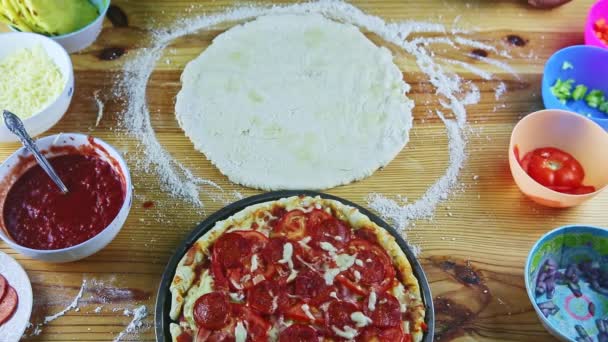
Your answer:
<point x="10" y="12"/>
<point x="59" y="17"/>
<point x="28" y="18"/>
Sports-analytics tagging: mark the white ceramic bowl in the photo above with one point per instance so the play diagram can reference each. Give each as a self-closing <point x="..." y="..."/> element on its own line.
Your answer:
<point x="54" y="111"/>
<point x="96" y="243"/>
<point x="83" y="38"/>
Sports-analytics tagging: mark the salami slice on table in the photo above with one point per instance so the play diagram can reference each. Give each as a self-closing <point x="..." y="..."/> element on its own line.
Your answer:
<point x="8" y="305"/>
<point x="3" y="287"/>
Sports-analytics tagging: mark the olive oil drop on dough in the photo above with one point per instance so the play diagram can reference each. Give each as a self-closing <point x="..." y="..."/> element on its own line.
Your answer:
<point x="295" y="101"/>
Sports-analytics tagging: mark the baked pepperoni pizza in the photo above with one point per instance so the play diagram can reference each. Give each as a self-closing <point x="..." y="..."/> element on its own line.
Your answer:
<point x="296" y="269"/>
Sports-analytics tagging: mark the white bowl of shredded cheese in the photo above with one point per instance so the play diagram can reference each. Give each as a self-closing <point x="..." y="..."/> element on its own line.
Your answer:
<point x="36" y="81"/>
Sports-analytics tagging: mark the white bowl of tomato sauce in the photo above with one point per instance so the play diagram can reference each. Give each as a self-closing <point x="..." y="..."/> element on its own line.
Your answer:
<point x="558" y="158"/>
<point x="39" y="221"/>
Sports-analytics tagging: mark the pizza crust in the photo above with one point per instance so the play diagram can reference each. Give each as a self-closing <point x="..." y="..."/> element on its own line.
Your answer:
<point x="246" y="217"/>
<point x="302" y="92"/>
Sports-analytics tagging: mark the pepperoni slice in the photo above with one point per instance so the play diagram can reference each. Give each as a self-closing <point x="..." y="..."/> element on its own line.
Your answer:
<point x="232" y="260"/>
<point x="261" y="297"/>
<point x="325" y="295"/>
<point x="308" y="284"/>
<point x="212" y="311"/>
<point x="274" y="249"/>
<point x="338" y="314"/>
<point x="387" y="312"/>
<point x="273" y="253"/>
<point x="231" y="249"/>
<point x="374" y="271"/>
<point x="291" y="226"/>
<point x="299" y="333"/>
<point x="286" y="302"/>
<point x="9" y="304"/>
<point x="325" y="228"/>
<point x="3" y="286"/>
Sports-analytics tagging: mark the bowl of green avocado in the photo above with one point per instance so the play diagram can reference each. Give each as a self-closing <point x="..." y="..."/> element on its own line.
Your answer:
<point x="75" y="24"/>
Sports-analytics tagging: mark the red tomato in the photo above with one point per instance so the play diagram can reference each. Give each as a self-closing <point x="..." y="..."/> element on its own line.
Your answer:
<point x="224" y="335"/>
<point x="316" y="216"/>
<point x="278" y="211"/>
<point x="552" y="167"/>
<point x="184" y="337"/>
<point x="581" y="190"/>
<point x="257" y="327"/>
<point x="242" y="278"/>
<point x="202" y="335"/>
<point x="351" y="285"/>
<point x="366" y="234"/>
<point x="212" y="311"/>
<point x="220" y="280"/>
<point x="297" y="313"/>
<point x="372" y="334"/>
<point x="291" y="226"/>
<point x="325" y="228"/>
<point x="219" y="336"/>
<point x="299" y="333"/>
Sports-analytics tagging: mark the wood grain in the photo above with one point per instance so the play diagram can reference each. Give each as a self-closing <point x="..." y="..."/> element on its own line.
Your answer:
<point x="474" y="248"/>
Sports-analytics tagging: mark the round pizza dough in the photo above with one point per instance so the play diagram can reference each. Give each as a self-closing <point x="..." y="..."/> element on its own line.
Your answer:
<point x="295" y="102"/>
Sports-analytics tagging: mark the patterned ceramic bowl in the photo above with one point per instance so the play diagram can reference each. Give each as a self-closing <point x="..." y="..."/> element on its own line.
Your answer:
<point x="564" y="274"/>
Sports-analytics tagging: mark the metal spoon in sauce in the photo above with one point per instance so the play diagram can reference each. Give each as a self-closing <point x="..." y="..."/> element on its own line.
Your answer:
<point x="15" y="125"/>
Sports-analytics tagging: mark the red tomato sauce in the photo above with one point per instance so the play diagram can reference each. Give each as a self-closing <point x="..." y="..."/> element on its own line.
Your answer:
<point x="38" y="215"/>
<point x="555" y="169"/>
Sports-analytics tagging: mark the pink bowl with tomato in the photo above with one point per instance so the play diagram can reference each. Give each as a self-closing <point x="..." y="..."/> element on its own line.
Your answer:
<point x="576" y="149"/>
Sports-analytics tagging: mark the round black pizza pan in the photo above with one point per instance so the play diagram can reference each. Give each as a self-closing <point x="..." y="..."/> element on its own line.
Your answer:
<point x="163" y="300"/>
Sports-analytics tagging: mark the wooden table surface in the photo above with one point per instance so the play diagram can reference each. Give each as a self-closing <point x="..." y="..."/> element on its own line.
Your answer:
<point x="473" y="250"/>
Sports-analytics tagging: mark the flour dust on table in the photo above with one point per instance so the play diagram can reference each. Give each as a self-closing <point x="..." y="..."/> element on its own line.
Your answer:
<point x="453" y="92"/>
<point x="295" y="102"/>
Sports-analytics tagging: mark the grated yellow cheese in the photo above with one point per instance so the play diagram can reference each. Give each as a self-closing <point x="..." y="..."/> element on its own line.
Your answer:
<point x="29" y="81"/>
